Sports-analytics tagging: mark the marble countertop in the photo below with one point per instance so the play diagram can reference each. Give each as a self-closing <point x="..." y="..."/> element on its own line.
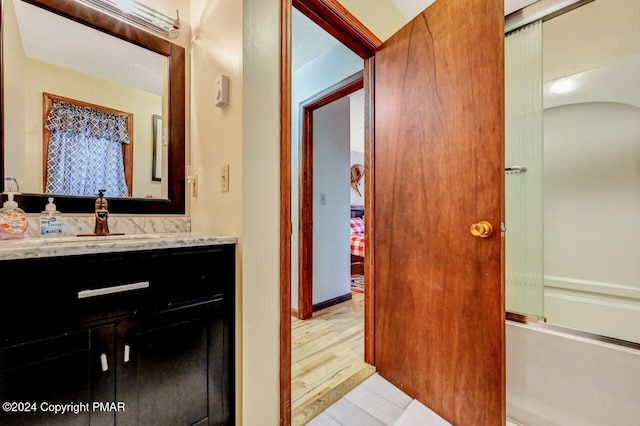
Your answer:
<point x="69" y="246"/>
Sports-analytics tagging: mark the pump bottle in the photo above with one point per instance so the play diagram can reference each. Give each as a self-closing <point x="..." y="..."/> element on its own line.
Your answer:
<point x="13" y="222"/>
<point x="50" y="221"/>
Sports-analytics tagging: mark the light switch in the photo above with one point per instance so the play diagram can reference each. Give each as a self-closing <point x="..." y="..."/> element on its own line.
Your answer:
<point x="224" y="178"/>
<point x="222" y="91"/>
<point x="323" y="199"/>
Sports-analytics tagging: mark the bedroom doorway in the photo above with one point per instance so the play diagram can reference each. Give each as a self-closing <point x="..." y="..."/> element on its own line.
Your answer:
<point x="354" y="48"/>
<point x="319" y="121"/>
<point x="327" y="318"/>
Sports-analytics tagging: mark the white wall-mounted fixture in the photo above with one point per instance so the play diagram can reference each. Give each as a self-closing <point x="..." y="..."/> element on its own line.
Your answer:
<point x="192" y="179"/>
<point x="222" y="91"/>
<point x="136" y="13"/>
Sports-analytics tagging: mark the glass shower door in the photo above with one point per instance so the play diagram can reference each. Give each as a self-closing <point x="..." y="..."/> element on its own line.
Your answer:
<point x="523" y="164"/>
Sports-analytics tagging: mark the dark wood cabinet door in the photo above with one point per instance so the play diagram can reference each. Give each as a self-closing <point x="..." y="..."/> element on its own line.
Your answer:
<point x="174" y="371"/>
<point x="64" y="371"/>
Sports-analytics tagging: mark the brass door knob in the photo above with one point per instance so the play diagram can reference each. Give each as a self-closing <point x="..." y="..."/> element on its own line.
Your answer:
<point x="481" y="229"/>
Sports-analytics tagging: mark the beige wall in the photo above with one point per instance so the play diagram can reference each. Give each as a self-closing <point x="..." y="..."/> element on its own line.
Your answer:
<point x="260" y="213"/>
<point x="593" y="35"/>
<point x="217" y="140"/>
<point x="13" y="88"/>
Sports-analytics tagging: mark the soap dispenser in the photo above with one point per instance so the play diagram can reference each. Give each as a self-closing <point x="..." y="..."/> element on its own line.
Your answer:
<point x="102" y="214"/>
<point x="13" y="222"/>
<point x="50" y="221"/>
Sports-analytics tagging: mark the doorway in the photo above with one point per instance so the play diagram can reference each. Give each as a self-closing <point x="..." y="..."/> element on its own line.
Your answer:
<point x="435" y="180"/>
<point x="363" y="42"/>
<point x="323" y="152"/>
<point x="327" y="333"/>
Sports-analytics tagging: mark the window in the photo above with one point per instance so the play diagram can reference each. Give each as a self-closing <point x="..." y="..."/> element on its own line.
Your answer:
<point x="86" y="148"/>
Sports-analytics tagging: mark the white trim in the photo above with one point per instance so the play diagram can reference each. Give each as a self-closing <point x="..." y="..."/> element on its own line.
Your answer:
<point x="599" y="314"/>
<point x="566" y="333"/>
<point x="588" y="286"/>
<point x="535" y="11"/>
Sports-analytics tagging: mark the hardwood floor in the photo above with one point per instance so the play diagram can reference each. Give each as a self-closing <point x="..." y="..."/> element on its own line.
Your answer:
<point x="327" y="358"/>
<point x="333" y="386"/>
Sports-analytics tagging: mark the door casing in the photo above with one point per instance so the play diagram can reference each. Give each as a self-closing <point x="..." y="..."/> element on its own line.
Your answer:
<point x="305" y="256"/>
<point x="331" y="16"/>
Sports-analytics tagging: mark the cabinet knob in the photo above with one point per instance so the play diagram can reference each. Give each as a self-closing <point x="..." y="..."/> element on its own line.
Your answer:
<point x="103" y="362"/>
<point x="127" y="353"/>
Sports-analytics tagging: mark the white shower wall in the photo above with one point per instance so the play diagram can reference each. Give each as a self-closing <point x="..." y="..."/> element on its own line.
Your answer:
<point x="592" y="218"/>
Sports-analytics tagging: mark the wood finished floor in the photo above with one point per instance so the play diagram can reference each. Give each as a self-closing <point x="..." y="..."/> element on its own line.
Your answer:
<point x="327" y="358"/>
<point x="333" y="386"/>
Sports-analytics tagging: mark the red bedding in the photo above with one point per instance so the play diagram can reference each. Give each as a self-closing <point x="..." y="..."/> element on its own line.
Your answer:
<point x="357" y="236"/>
<point x="357" y="245"/>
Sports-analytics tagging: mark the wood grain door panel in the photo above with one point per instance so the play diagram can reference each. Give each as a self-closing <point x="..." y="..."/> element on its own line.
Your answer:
<point x="439" y="137"/>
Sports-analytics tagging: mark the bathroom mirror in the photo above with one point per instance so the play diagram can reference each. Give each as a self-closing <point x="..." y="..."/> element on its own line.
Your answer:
<point x="158" y="183"/>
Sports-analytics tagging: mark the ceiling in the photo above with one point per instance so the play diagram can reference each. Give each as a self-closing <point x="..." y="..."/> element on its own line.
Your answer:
<point x="88" y="51"/>
<point x="310" y="41"/>
<point x="604" y="84"/>
<point x="50" y="38"/>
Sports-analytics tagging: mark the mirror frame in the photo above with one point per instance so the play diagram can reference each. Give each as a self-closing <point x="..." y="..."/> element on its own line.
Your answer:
<point x="175" y="203"/>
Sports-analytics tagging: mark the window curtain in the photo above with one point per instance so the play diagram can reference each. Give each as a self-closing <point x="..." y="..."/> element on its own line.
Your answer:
<point x="85" y="151"/>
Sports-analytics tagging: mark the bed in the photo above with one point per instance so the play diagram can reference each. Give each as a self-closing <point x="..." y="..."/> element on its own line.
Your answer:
<point x="357" y="240"/>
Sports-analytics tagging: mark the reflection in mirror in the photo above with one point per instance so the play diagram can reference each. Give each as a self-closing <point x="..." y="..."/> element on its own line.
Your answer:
<point x="48" y="53"/>
<point x="589" y="115"/>
<point x="86" y="147"/>
<point x="71" y="60"/>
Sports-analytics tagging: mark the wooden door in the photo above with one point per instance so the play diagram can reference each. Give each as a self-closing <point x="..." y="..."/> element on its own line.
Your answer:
<point x="439" y="168"/>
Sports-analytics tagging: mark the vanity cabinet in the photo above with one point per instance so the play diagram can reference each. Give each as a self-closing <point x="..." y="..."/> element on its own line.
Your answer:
<point x="127" y="338"/>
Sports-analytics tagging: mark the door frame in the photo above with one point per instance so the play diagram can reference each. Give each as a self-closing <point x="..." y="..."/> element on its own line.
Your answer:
<point x="331" y="16"/>
<point x="305" y="224"/>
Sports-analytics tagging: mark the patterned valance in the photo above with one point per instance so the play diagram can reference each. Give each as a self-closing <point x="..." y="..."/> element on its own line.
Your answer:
<point x="93" y="123"/>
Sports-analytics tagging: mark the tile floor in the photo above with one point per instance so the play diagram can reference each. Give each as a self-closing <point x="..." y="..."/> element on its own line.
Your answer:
<point x="376" y="402"/>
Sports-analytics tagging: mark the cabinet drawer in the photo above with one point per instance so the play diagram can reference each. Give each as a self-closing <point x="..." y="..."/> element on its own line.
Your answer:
<point x="62" y="294"/>
<point x="189" y="276"/>
<point x="18" y="356"/>
<point x="153" y="280"/>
